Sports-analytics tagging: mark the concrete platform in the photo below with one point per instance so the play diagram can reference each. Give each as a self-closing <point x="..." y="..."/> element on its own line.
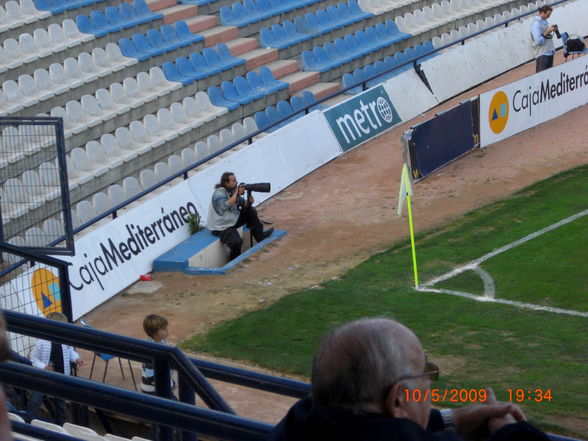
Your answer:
<point x="203" y="254"/>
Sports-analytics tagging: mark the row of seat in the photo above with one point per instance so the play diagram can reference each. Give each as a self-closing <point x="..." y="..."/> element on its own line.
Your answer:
<point x="29" y="48"/>
<point x="15" y="14"/>
<point x="352" y="47"/>
<point x="115" y="19"/>
<point x="380" y="6"/>
<point x="201" y="65"/>
<point x="254" y="11"/>
<point x="284" y="110"/>
<point x="59" y="6"/>
<point x="80" y="432"/>
<point x="244" y="90"/>
<point x="288" y="33"/>
<point x="156" y="42"/>
<point x="368" y="73"/>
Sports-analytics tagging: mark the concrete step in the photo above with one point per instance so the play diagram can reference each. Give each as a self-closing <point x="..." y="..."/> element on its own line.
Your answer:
<point x="321" y="90"/>
<point x="158" y="5"/>
<point x="201" y="23"/>
<point x="219" y="34"/>
<point x="281" y="68"/>
<point x="178" y="12"/>
<point x="301" y="80"/>
<point x="259" y="57"/>
<point x="240" y="46"/>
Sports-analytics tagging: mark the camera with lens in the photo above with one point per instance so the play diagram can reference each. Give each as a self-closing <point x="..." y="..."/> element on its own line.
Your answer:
<point x="556" y="30"/>
<point x="261" y="187"/>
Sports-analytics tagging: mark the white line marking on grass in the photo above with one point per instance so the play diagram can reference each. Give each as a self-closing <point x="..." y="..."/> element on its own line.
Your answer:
<point x="471" y="265"/>
<point x="489" y="287"/>
<point x="506" y="302"/>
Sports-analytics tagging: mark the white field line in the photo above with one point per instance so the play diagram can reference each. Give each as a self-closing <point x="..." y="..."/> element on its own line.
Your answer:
<point x="474" y="263"/>
<point x="489" y="288"/>
<point x="506" y="302"/>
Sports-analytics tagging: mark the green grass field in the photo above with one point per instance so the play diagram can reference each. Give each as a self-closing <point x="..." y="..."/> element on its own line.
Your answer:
<point x="477" y="344"/>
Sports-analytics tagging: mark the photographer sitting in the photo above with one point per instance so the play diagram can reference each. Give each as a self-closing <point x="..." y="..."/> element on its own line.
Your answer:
<point x="543" y="38"/>
<point x="229" y="211"/>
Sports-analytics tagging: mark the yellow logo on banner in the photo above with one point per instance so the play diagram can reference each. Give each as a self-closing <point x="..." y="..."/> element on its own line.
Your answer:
<point x="45" y="287"/>
<point x="498" y="112"/>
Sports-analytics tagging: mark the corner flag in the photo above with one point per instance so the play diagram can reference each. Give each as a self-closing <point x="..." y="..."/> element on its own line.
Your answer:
<point x="406" y="194"/>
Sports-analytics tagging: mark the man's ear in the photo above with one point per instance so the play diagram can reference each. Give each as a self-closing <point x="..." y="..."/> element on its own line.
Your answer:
<point x="395" y="402"/>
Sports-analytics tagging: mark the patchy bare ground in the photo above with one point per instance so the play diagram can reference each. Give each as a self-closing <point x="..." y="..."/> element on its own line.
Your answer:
<point x="338" y="216"/>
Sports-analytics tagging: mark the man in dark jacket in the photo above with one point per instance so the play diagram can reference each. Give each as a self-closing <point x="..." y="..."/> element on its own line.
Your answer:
<point x="363" y="378"/>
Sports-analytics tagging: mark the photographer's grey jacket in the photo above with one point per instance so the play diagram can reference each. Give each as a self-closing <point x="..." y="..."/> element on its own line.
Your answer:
<point x="541" y="45"/>
<point x="220" y="215"/>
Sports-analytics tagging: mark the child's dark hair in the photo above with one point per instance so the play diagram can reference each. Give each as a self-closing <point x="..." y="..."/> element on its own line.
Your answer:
<point x="153" y="323"/>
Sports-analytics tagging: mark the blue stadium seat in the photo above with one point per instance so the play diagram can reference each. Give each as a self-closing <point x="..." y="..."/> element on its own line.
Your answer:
<point x="99" y="23"/>
<point x="344" y="50"/>
<point x="281" y="37"/>
<point x="257" y="83"/>
<point x="115" y="19"/>
<point x="325" y="21"/>
<point x="282" y="5"/>
<point x="171" y="74"/>
<point x="185" y="34"/>
<point x="217" y="99"/>
<point x="308" y="97"/>
<point x="268" y="39"/>
<point x="201" y="66"/>
<point x="243" y="88"/>
<point x="185" y="69"/>
<point x="284" y="110"/>
<point x="294" y="35"/>
<point x="171" y="38"/>
<point x="227" y="17"/>
<point x="349" y="80"/>
<point x="128" y="49"/>
<point x="213" y="60"/>
<point x="262" y="120"/>
<point x="143" y="11"/>
<point x="298" y="105"/>
<point x="84" y="24"/>
<point x="364" y="41"/>
<point x="357" y="11"/>
<point x="313" y="25"/>
<point x="156" y="40"/>
<point x="334" y="14"/>
<point x="375" y="39"/>
<point x="241" y="15"/>
<point x="335" y="56"/>
<point x="346" y="13"/>
<point x="324" y="59"/>
<point x="252" y="12"/>
<point x="143" y="45"/>
<point x="310" y="63"/>
<point x="273" y="116"/>
<point x="231" y="94"/>
<point x="47" y="5"/>
<point x="354" y="47"/>
<point x="227" y="57"/>
<point x="268" y="79"/>
<point x="129" y="13"/>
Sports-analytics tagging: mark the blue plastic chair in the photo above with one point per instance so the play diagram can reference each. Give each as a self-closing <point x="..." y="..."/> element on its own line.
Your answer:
<point x="346" y="13"/>
<point x="201" y="66"/>
<point x="241" y="16"/>
<point x="156" y="40"/>
<point x="129" y="14"/>
<point x="244" y="89"/>
<point x="324" y="61"/>
<point x="217" y="99"/>
<point x="231" y="94"/>
<point x="298" y="105"/>
<point x="107" y="358"/>
<point x="357" y="11"/>
<point x="309" y="61"/>
<point x="100" y="25"/>
<point x="294" y="35"/>
<point x="262" y="120"/>
<point x="170" y="37"/>
<point x="84" y="24"/>
<point x="144" y="12"/>
<point x="213" y="60"/>
<point x="325" y="21"/>
<point x="185" y="69"/>
<point x="273" y="116"/>
<point x="268" y="79"/>
<point x="128" y="49"/>
<point x="364" y="42"/>
<point x="227" y="17"/>
<point x="375" y="39"/>
<point x="349" y="80"/>
<point x="258" y="85"/>
<point x="313" y="24"/>
<point x="335" y="56"/>
<point x="252" y="12"/>
<point x="281" y="37"/>
<point x="284" y="111"/>
<point x="171" y="73"/>
<point x="267" y="38"/>
<point x="115" y="20"/>
<point x="143" y="45"/>
<point x="227" y="57"/>
<point x="185" y="34"/>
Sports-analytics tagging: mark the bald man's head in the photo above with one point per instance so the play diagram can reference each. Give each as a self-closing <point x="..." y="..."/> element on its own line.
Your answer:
<point x="358" y="362"/>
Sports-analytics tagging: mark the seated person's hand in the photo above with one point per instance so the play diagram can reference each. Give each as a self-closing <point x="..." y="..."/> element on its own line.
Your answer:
<point x="80" y="362"/>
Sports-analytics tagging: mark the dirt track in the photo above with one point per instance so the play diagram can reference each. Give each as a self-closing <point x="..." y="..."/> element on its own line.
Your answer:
<point x="358" y="193"/>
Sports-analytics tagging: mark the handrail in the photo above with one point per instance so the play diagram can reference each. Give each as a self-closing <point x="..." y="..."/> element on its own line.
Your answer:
<point x="161" y="411"/>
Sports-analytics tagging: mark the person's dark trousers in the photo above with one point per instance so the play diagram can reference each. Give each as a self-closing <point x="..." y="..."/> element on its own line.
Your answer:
<point x="544" y="62"/>
<point x="35" y="402"/>
<point x="231" y="238"/>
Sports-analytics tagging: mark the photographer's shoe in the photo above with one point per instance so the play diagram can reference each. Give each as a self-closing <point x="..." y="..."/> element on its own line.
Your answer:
<point x="267" y="234"/>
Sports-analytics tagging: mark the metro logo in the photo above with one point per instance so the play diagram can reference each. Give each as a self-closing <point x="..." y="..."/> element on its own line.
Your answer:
<point x="361" y="118"/>
<point x="498" y="112"/>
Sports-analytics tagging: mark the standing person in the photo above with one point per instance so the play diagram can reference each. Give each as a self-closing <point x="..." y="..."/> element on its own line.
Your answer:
<point x="229" y="211"/>
<point x="52" y="357"/>
<point x="156" y="328"/>
<point x="5" y="429"/>
<point x="542" y="34"/>
<point x="361" y="377"/>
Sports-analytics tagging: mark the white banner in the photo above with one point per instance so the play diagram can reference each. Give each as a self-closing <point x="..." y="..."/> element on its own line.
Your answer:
<point x="518" y="106"/>
<point x="113" y="256"/>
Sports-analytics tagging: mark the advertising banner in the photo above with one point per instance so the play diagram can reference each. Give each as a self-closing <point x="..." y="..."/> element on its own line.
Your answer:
<point x="518" y="106"/>
<point x="362" y="117"/>
<point x="113" y="256"/>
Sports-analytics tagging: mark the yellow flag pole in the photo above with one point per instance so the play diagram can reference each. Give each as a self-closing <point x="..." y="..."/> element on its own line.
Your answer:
<point x="411" y="227"/>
